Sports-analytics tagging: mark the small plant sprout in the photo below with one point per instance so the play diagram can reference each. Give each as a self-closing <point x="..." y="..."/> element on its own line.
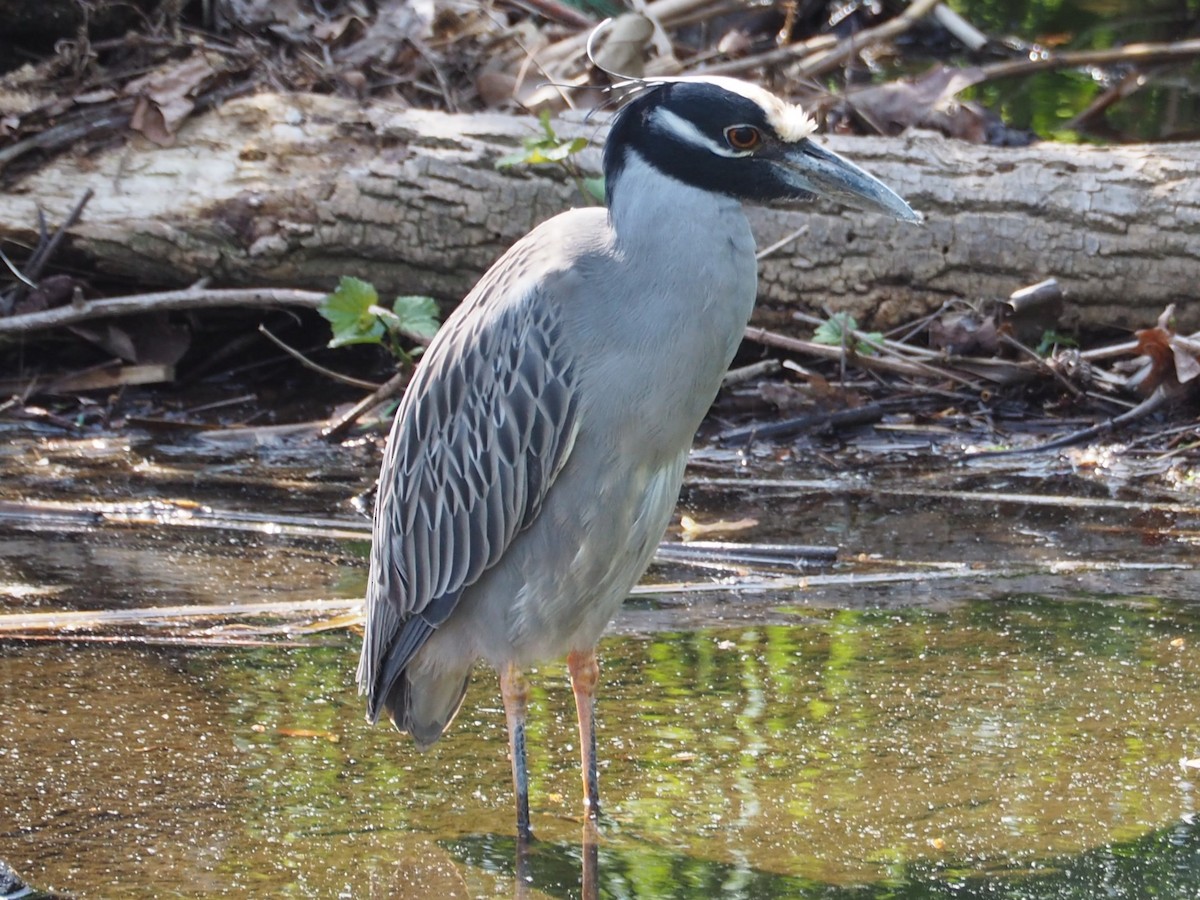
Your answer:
<point x="841" y="330"/>
<point x="356" y="317"/>
<point x="549" y="148"/>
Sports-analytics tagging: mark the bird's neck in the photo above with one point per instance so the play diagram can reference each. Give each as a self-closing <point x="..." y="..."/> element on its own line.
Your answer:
<point x="648" y="209"/>
<point x="677" y="306"/>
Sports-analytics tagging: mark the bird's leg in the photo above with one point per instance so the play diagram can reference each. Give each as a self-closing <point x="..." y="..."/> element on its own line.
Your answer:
<point x="590" y="849"/>
<point x="515" y="691"/>
<point x="585" y="673"/>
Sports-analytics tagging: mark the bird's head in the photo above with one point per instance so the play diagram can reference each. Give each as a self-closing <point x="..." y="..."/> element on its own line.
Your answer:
<point x="735" y="138"/>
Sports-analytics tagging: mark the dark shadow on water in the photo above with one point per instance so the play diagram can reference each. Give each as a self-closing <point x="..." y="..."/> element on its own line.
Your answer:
<point x="1164" y="864"/>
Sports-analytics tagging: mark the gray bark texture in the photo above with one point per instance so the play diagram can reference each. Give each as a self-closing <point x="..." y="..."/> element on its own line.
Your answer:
<point x="297" y="190"/>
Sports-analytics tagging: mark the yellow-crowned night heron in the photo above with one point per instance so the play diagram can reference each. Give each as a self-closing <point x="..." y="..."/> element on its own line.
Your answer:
<point x="537" y="456"/>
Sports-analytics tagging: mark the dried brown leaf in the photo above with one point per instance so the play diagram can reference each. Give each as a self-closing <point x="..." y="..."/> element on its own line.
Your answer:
<point x="332" y="31"/>
<point x="396" y="26"/>
<point x="51" y="291"/>
<point x="897" y="105"/>
<point x="624" y="50"/>
<point x="495" y="88"/>
<point x="165" y="97"/>
<point x="151" y="339"/>
<point x="787" y="398"/>
<point x="1187" y="367"/>
<point x="110" y="338"/>
<point x="960" y="334"/>
<point x="148" y="120"/>
<point x="309" y="732"/>
<point x="1169" y="357"/>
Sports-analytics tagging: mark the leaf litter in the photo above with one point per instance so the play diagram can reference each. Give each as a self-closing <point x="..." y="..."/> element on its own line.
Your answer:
<point x="975" y="379"/>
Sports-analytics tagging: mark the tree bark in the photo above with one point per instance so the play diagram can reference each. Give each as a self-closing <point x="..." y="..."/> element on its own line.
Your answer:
<point x="297" y="190"/>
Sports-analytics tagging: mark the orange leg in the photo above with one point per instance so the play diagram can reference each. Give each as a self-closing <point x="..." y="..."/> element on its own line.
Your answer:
<point x="515" y="691"/>
<point x="585" y="673"/>
<point x="590" y="848"/>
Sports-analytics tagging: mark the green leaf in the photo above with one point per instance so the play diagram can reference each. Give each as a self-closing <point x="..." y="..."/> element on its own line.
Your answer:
<point x="348" y="310"/>
<point x="594" y="187"/>
<point x="513" y="159"/>
<point x="372" y="334"/>
<point x="835" y="331"/>
<point x="559" y="152"/>
<point x="545" y="148"/>
<point x="869" y="342"/>
<point x="417" y="315"/>
<point x="535" y="156"/>
<point x="838" y="331"/>
<point x="1052" y="339"/>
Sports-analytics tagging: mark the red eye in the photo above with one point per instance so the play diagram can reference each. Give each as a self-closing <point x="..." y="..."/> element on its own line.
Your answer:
<point x="743" y="137"/>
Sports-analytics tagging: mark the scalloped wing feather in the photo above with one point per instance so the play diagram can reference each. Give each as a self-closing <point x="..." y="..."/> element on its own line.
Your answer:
<point x="483" y="430"/>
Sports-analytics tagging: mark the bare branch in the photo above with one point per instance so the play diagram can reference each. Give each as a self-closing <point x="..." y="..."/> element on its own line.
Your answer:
<point x="164" y="301"/>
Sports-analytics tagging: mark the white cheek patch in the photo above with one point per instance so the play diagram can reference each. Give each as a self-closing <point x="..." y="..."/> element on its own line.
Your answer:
<point x="690" y="134"/>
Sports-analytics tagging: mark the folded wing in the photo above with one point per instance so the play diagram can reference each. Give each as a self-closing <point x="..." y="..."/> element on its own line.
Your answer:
<point x="485" y="426"/>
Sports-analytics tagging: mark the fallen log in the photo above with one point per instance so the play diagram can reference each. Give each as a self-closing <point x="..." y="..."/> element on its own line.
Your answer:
<point x="298" y="190"/>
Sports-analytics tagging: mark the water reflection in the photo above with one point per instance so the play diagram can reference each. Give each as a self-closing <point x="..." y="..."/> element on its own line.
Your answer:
<point x="1012" y="747"/>
<point x="1164" y="864"/>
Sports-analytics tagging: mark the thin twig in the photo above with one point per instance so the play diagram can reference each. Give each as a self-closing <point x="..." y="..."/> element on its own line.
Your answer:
<point x="752" y="372"/>
<point x="781" y="243"/>
<point x="728" y="554"/>
<point x="825" y="52"/>
<point x="910" y="368"/>
<point x="769" y="58"/>
<point x="317" y="367"/>
<point x="145" y="640"/>
<point x="842" y="418"/>
<point x="821" y="63"/>
<point x="432" y="61"/>
<point x="45" y="249"/>
<point x="338" y="427"/>
<point x="41" y="256"/>
<point x="72" y="129"/>
<point x="1071" y="59"/>
<point x="970" y="36"/>
<point x="1152" y="403"/>
<point x="555" y="11"/>
<point x="17" y="273"/>
<point x="900" y="348"/>
<point x="665" y="11"/>
<point x="1042" y="365"/>
<point x="66" y="620"/>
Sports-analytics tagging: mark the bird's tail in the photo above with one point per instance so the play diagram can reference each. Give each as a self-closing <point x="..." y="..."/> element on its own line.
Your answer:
<point x="425" y="703"/>
<point x="410" y="672"/>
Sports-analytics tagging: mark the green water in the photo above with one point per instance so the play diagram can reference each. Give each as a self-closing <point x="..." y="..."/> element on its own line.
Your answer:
<point x="1166" y="106"/>
<point x="1013" y="712"/>
<point x="1010" y="747"/>
<point x="1029" y="731"/>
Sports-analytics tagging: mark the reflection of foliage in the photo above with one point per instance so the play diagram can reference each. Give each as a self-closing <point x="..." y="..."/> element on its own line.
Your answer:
<point x="799" y="749"/>
<point x="1042" y="103"/>
<point x="1160" y="864"/>
<point x="798" y="723"/>
<point x="1046" y="101"/>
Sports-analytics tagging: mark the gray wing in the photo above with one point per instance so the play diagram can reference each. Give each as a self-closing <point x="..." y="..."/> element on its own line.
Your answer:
<point x="483" y="429"/>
